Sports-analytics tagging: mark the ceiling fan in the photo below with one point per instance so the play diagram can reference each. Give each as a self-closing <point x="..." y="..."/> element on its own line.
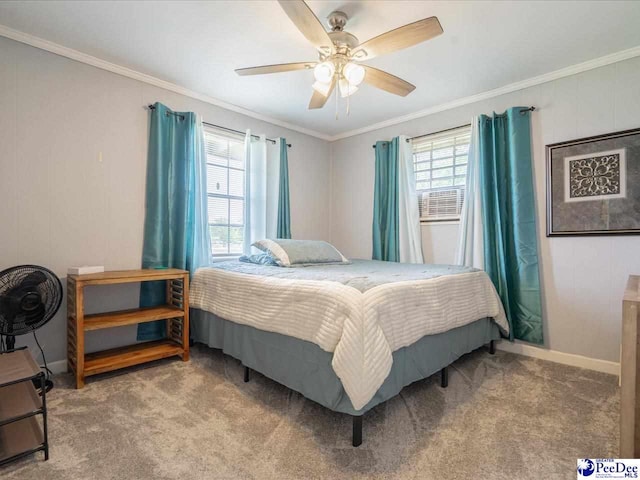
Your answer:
<point x="339" y="51"/>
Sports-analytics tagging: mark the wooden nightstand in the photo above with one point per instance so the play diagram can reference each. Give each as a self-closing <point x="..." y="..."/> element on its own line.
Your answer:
<point x="175" y="312"/>
<point x="630" y="371"/>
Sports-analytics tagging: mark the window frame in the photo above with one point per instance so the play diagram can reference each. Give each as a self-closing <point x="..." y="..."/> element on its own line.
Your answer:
<point x="229" y="137"/>
<point x="453" y="134"/>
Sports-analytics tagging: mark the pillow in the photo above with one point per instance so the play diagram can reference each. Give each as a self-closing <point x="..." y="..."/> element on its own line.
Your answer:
<point x="259" y="259"/>
<point x="289" y="253"/>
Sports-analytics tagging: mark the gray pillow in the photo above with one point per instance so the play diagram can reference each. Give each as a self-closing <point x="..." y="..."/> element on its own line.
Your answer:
<point x="289" y="253"/>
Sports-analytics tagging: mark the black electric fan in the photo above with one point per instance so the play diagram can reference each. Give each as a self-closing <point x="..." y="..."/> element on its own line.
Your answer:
<point x="29" y="297"/>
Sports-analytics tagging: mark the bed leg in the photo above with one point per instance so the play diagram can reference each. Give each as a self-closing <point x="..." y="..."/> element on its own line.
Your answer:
<point x="492" y="347"/>
<point x="246" y="374"/>
<point x="444" y="377"/>
<point x="357" y="431"/>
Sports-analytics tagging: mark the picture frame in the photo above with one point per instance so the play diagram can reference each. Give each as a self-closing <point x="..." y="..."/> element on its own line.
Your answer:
<point x="593" y="185"/>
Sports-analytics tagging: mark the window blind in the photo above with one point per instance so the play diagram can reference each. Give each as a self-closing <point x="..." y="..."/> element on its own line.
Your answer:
<point x="225" y="190"/>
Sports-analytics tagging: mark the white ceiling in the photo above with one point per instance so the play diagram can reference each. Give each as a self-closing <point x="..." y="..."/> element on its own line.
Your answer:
<point x="197" y="45"/>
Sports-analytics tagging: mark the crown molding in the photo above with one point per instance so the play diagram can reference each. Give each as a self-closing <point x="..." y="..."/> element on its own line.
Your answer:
<point x="72" y="54"/>
<point x="530" y="82"/>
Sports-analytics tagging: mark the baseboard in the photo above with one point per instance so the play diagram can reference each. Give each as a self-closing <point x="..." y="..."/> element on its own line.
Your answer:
<point x="59" y="366"/>
<point x="598" y="365"/>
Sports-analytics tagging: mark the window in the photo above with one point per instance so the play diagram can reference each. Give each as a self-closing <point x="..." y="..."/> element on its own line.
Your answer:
<point x="440" y="162"/>
<point x="225" y="190"/>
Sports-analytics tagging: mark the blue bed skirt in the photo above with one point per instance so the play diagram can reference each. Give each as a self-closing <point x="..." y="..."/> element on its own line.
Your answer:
<point x="306" y="368"/>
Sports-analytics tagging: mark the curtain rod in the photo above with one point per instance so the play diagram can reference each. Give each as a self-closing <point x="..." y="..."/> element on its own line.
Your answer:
<point x="439" y="131"/>
<point x="523" y="110"/>
<point x="152" y="107"/>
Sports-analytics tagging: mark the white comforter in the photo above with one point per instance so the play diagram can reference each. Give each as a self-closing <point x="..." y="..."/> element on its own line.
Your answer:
<point x="361" y="329"/>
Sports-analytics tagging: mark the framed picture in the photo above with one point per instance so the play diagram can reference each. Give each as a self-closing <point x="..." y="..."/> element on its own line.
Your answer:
<point x="593" y="185"/>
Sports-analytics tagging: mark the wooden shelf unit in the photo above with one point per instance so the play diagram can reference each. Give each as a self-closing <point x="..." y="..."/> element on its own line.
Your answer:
<point x="107" y="360"/>
<point x="127" y="317"/>
<point x="20" y="405"/>
<point x="175" y="312"/>
<point x="630" y="371"/>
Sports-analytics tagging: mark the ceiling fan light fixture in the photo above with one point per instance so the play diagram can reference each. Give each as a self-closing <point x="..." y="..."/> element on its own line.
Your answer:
<point x="346" y="89"/>
<point x="340" y="51"/>
<point x="322" y="88"/>
<point x="323" y="72"/>
<point x="354" y="73"/>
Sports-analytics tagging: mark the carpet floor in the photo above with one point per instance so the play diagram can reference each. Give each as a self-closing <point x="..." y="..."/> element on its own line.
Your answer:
<point x="502" y="417"/>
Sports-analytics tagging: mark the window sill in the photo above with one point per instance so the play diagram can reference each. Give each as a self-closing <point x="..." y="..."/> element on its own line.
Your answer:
<point x="224" y="259"/>
<point x="438" y="222"/>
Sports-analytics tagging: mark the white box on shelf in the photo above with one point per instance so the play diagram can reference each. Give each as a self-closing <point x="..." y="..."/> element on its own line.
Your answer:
<point x="85" y="269"/>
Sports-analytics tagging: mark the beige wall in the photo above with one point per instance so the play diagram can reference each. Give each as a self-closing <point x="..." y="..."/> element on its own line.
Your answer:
<point x="583" y="278"/>
<point x="438" y="241"/>
<point x="61" y="206"/>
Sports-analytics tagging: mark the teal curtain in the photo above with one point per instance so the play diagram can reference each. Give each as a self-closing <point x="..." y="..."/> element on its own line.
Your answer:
<point x="284" y="212"/>
<point x="176" y="233"/>
<point x="509" y="218"/>
<point x="385" y="203"/>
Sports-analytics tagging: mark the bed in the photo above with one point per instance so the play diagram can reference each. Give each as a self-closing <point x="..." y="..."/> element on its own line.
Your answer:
<point x="347" y="336"/>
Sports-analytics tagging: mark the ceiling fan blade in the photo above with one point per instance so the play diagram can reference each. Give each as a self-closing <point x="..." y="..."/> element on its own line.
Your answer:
<point x="280" y="67"/>
<point x="306" y="21"/>
<point x="386" y="81"/>
<point x="318" y="100"/>
<point x="399" y="38"/>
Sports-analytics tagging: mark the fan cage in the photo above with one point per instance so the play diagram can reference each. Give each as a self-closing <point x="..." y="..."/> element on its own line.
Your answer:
<point x="20" y="280"/>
